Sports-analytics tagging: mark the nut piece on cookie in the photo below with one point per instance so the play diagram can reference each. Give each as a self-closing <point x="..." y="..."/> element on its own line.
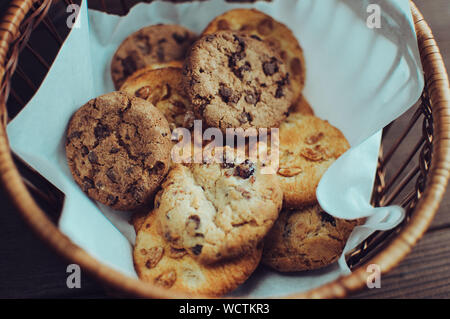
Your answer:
<point x="237" y="81"/>
<point x="118" y="150"/>
<point x="308" y="147"/>
<point x="276" y="34"/>
<point x="163" y="88"/>
<point x="217" y="211"/>
<point x="306" y="239"/>
<point x="152" y="45"/>
<point x="159" y="263"/>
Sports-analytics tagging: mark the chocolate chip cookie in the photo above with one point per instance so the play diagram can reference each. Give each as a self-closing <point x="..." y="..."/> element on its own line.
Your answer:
<point x="278" y="35"/>
<point x="308" y="146"/>
<point x="118" y="150"/>
<point x="305" y="239"/>
<point x="156" y="261"/>
<point x="217" y="211"/>
<point x="154" y="44"/>
<point x="236" y="80"/>
<point x="164" y="89"/>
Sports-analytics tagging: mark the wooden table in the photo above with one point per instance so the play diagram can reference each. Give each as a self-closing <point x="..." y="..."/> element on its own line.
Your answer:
<point x="29" y="269"/>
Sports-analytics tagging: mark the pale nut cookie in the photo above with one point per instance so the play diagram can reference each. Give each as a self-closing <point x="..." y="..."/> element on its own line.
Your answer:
<point x="152" y="45"/>
<point x="118" y="150"/>
<point x="163" y="88"/>
<point x="308" y="146"/>
<point x="306" y="239"/>
<point x="276" y="34"/>
<point x="159" y="263"/>
<point x="237" y="81"/>
<point x="217" y="211"/>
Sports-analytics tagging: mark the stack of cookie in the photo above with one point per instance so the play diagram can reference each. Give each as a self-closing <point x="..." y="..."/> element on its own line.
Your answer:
<point x="203" y="228"/>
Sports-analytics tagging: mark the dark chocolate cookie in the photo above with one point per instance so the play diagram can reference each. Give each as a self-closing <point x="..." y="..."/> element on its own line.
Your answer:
<point x="237" y="81"/>
<point x="151" y="45"/>
<point x="273" y="32"/>
<point x="118" y="150"/>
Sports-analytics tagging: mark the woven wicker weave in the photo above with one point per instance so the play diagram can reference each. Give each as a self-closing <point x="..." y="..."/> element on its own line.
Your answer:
<point x="417" y="183"/>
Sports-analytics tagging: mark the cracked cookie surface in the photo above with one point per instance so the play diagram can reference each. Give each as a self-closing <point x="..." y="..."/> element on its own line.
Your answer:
<point x="118" y="150"/>
<point x="305" y="239"/>
<point x="163" y="88"/>
<point x="308" y="147"/>
<point x="156" y="261"/>
<point x="152" y="45"/>
<point x="237" y="81"/>
<point x="276" y="34"/>
<point x="217" y="211"/>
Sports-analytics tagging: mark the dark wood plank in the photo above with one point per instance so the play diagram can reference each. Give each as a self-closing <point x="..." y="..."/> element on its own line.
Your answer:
<point x="425" y="273"/>
<point x="30" y="269"/>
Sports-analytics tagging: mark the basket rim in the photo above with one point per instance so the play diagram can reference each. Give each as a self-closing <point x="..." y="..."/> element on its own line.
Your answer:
<point x="437" y="78"/>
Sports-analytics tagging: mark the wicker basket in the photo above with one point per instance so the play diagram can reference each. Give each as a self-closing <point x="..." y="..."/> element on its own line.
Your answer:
<point x="413" y="170"/>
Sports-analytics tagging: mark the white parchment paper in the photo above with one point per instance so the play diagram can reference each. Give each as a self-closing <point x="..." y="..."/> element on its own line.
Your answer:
<point x="359" y="79"/>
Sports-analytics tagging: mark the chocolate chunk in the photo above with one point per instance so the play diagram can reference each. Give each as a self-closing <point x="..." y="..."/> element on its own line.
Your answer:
<point x="225" y="93"/>
<point x="254" y="36"/>
<point x="160" y="54"/>
<point x="92" y="157"/>
<point x="245" y="170"/>
<point x="238" y="72"/>
<point x="327" y="218"/>
<point x="76" y="134"/>
<point x="270" y="67"/>
<point x="101" y="131"/>
<point x="194" y="219"/>
<point x="197" y="249"/>
<point x="114" y="150"/>
<point x="279" y="93"/>
<point x="240" y="41"/>
<point x="112" y="200"/>
<point x="129" y="66"/>
<point x="87" y="183"/>
<point x="143" y="44"/>
<point x="84" y="150"/>
<point x="235" y="58"/>
<point x="137" y="192"/>
<point x="111" y="175"/>
<point x="179" y="38"/>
